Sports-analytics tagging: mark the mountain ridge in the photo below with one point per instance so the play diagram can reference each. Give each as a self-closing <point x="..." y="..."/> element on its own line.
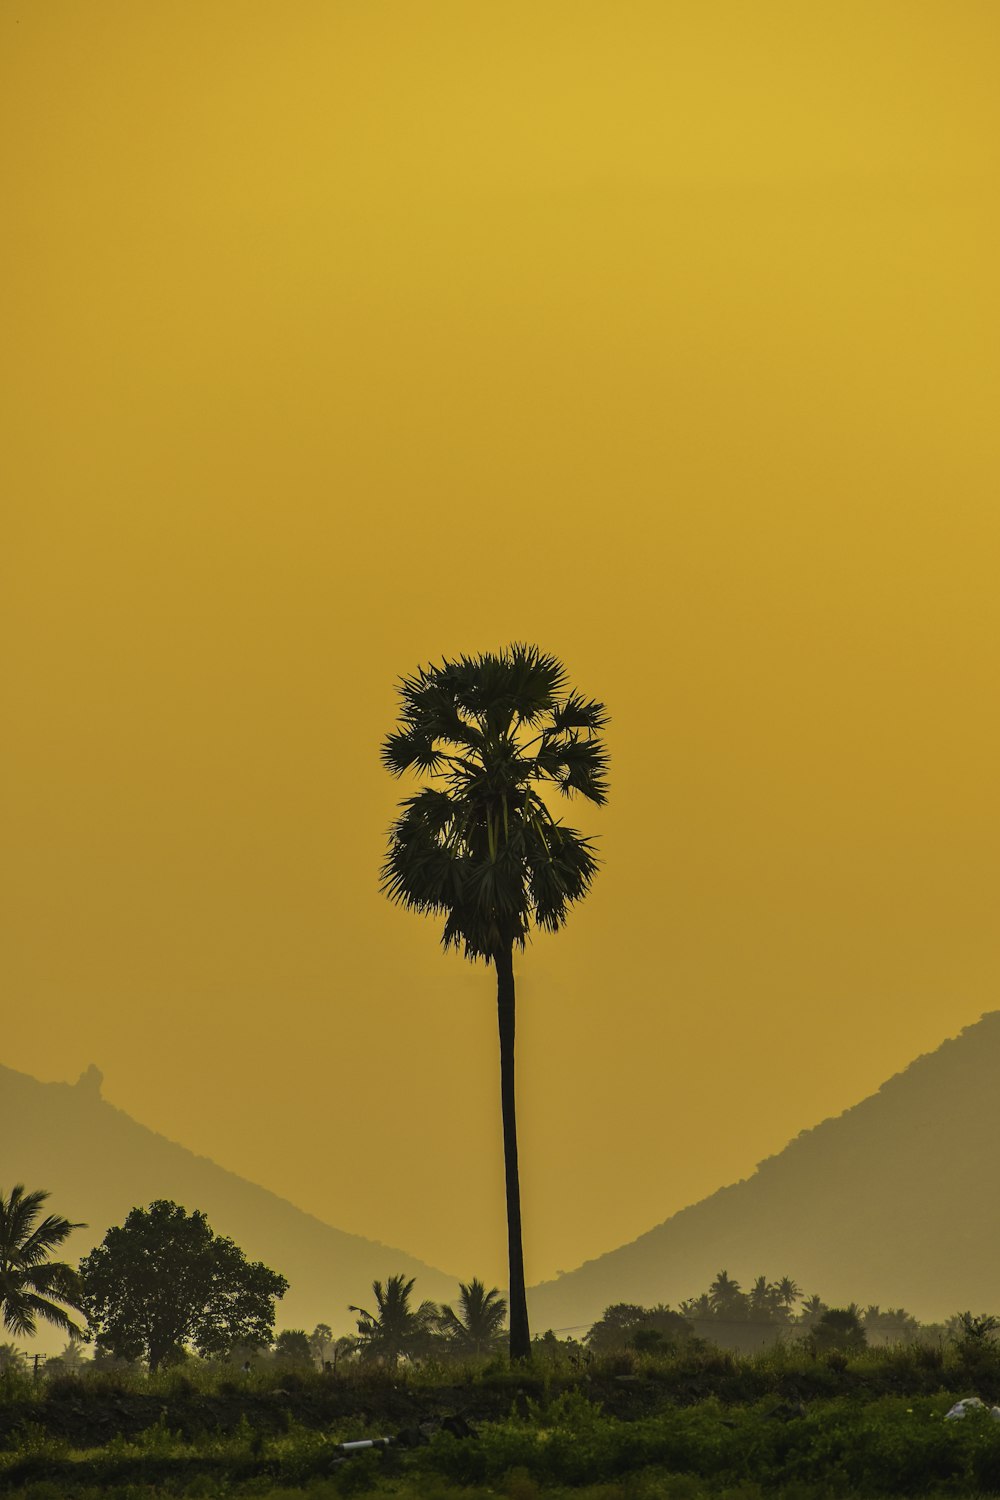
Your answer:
<point x="932" y="1130"/>
<point x="97" y="1162"/>
<point x="887" y="1201"/>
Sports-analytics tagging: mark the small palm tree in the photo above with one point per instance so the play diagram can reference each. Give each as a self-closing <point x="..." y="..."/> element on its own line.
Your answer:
<point x="476" y="1327"/>
<point x="396" y="1328"/>
<point x="698" y="1307"/>
<point x="813" y="1308"/>
<point x="71" y="1358"/>
<point x="789" y="1293"/>
<point x="726" y="1296"/>
<point x="763" y="1299"/>
<point x="481" y="848"/>
<point x="31" y="1285"/>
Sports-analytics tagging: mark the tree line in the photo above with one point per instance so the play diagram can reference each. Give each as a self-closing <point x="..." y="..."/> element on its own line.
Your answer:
<point x="163" y="1284"/>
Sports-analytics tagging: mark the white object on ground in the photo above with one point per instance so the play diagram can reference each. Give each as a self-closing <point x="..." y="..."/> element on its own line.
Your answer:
<point x="970" y="1403"/>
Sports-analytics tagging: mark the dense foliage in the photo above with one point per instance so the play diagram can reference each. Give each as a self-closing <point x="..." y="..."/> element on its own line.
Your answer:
<point x="698" y="1422"/>
<point x="480" y="846"/>
<point x="164" y="1280"/>
<point x="395" y="1328"/>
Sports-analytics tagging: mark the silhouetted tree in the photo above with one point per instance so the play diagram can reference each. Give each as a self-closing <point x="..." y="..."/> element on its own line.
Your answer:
<point x="481" y="847"/>
<point x="764" y="1301"/>
<point x="894" y="1325"/>
<point x="971" y="1331"/>
<point x="321" y="1343"/>
<point x="343" y="1348"/>
<point x="291" y="1349"/>
<point x="477" y="1327"/>
<point x="70" y="1360"/>
<point x="163" y="1280"/>
<point x="839" y="1328"/>
<point x="811" y="1311"/>
<point x="789" y="1293"/>
<point x="625" y="1325"/>
<point x="699" y="1307"/>
<point x="32" y="1285"/>
<point x="611" y="1333"/>
<point x="396" y="1328"/>
<point x="726" y="1297"/>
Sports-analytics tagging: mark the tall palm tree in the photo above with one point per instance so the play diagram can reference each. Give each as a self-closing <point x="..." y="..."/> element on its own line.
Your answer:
<point x="476" y="1327"/>
<point x="31" y="1285"/>
<point x="396" y="1328"/>
<point x="479" y="845"/>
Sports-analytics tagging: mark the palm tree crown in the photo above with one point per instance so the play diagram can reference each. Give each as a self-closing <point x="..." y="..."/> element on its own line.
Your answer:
<point x="477" y="1326"/>
<point x="396" y="1328"/>
<point x="31" y="1285"/>
<point x="481" y="846"/>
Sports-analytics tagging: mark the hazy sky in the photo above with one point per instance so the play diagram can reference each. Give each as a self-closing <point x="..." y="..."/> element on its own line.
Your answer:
<point x="339" y="336"/>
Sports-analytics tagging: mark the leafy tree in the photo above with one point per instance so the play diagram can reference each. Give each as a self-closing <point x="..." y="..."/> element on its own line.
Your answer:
<point x="839" y="1328"/>
<point x="626" y="1325"/>
<point x="477" y="1327"/>
<point x="33" y="1286"/>
<point x="479" y="845"/>
<point x="611" y="1333"/>
<point x="969" y="1330"/>
<point x="164" y="1280"/>
<point x="292" y="1349"/>
<point x="667" y="1325"/>
<point x="396" y="1328"/>
<point x="894" y="1325"/>
<point x="344" y="1348"/>
<point x="321" y="1343"/>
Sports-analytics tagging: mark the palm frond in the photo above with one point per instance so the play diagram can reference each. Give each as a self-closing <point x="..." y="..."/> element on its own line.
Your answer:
<point x="577" y="765"/>
<point x="578" y="712"/>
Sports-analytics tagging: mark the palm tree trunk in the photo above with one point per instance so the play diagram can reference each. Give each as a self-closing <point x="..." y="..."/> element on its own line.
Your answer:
<point x="520" y="1336"/>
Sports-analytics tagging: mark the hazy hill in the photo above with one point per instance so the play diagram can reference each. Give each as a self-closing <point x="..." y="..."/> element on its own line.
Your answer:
<point x="895" y="1202"/>
<point x="98" y="1163"/>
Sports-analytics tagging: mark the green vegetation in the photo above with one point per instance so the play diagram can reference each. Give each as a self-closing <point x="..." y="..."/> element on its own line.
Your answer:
<point x="164" y="1280"/>
<point x="644" y="1407"/>
<point x="32" y="1285"/>
<point x="694" y="1422"/>
<point x="477" y="1327"/>
<point x="480" y="846"/>
<point x="396" y="1328"/>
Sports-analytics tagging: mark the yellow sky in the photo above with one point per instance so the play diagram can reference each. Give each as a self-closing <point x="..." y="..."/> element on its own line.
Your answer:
<point x="341" y="336"/>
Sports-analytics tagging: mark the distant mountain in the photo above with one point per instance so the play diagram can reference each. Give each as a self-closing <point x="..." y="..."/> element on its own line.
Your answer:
<point x="97" y="1163"/>
<point x="895" y="1201"/>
